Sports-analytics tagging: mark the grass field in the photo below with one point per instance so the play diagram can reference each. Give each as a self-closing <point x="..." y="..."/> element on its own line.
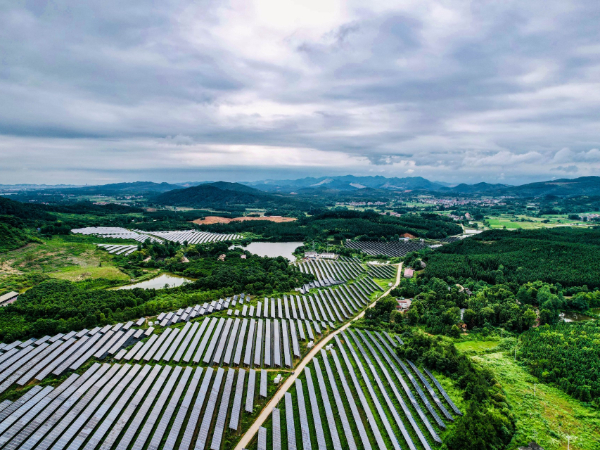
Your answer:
<point x="512" y="222"/>
<point x="547" y="417"/>
<point x="77" y="273"/>
<point x="70" y="258"/>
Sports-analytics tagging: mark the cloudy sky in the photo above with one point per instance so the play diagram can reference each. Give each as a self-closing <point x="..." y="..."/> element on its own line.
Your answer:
<point x="457" y="91"/>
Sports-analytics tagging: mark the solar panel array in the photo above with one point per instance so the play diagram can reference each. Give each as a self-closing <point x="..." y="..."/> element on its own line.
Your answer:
<point x="37" y="359"/>
<point x="391" y="249"/>
<point x="360" y="394"/>
<point x="118" y="249"/>
<point x="381" y="270"/>
<point x="189" y="236"/>
<point x="130" y="406"/>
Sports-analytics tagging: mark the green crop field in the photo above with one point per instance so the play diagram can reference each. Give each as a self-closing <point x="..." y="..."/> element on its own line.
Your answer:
<point x="549" y="415"/>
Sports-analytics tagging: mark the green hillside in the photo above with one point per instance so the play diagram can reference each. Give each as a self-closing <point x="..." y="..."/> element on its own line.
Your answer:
<point x="567" y="256"/>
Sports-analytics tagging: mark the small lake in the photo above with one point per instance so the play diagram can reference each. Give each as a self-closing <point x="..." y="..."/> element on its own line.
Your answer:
<point x="574" y="317"/>
<point x="274" y="249"/>
<point x="159" y="282"/>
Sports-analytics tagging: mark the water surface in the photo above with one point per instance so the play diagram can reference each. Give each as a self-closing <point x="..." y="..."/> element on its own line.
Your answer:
<point x="574" y="317"/>
<point x="274" y="249"/>
<point x="162" y="281"/>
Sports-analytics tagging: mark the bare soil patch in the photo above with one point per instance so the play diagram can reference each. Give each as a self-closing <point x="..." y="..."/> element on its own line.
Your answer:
<point x="209" y="220"/>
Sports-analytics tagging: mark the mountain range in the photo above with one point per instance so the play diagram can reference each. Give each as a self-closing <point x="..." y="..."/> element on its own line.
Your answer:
<point x="349" y="186"/>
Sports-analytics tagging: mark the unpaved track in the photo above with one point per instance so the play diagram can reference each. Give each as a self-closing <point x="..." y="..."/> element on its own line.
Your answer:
<point x="266" y="412"/>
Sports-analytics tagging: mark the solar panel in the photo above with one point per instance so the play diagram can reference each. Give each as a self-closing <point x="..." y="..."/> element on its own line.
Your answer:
<point x="249" y="341"/>
<point x="170" y="410"/>
<point x="317" y="328"/>
<point x="63" y="421"/>
<point x="309" y="331"/>
<point x="276" y="429"/>
<point x="258" y="344"/>
<point x="374" y="397"/>
<point x="295" y="345"/>
<point x="304" y="428"/>
<point x="179" y="345"/>
<point x="240" y="343"/>
<point x="250" y="392"/>
<point x="361" y="396"/>
<point x="181" y="413"/>
<point x="38" y="410"/>
<point x="231" y="342"/>
<point x="213" y="342"/>
<point x="329" y="413"/>
<point x="224" y="337"/>
<point x="262" y="438"/>
<point x="194" y="340"/>
<point x="234" y="420"/>
<point x="219" y="427"/>
<point x="141" y="413"/>
<point x="23" y="409"/>
<point x="192" y="423"/>
<point x="340" y="410"/>
<point x="289" y="421"/>
<point x="276" y="344"/>
<point x="205" y="339"/>
<point x="386" y="354"/>
<point x="286" y="344"/>
<point x="431" y="391"/>
<point x="268" y="342"/>
<point x="264" y="377"/>
<point x="209" y="411"/>
<point x="301" y="330"/>
<point x="87" y="421"/>
<point x="443" y="392"/>
<point x="172" y="344"/>
<point x="307" y="308"/>
<point x="321" y="443"/>
<point x="279" y="309"/>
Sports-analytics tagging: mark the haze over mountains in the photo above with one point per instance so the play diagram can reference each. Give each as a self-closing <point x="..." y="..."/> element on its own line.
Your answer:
<point x="346" y="185"/>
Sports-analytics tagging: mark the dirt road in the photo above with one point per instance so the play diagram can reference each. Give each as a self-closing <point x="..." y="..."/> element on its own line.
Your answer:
<point x="266" y="412"/>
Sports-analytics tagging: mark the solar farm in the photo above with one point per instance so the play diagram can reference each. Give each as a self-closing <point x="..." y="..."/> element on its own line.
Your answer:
<point x="359" y="395"/>
<point x="330" y="273"/>
<point x="195" y="378"/>
<point x="391" y="249"/>
<point x="189" y="236"/>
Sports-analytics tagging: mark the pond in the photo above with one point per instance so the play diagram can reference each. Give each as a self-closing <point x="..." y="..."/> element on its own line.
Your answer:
<point x="274" y="249"/>
<point x="159" y="282"/>
<point x="574" y="317"/>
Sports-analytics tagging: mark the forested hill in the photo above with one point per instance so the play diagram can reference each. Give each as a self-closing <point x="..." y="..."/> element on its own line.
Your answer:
<point x="341" y="225"/>
<point x="220" y="194"/>
<point x="567" y="256"/>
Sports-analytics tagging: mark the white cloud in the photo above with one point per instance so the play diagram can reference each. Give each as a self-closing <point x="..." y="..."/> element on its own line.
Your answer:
<point x="449" y="90"/>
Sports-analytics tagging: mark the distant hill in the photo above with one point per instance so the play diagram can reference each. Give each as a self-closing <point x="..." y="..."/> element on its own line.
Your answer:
<point x="219" y="195"/>
<point x="137" y="187"/>
<point x="560" y="188"/>
<point x="346" y="183"/>
<point x="479" y="188"/>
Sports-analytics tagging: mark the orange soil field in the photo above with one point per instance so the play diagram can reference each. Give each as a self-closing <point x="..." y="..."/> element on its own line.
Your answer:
<point x="209" y="220"/>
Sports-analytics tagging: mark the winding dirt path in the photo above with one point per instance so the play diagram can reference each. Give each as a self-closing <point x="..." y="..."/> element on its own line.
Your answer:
<point x="266" y="412"/>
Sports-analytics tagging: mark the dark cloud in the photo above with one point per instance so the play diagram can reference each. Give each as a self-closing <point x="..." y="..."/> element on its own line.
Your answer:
<point x="447" y="90"/>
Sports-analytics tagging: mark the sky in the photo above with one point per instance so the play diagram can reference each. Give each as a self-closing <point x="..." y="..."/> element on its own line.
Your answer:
<point x="107" y="91"/>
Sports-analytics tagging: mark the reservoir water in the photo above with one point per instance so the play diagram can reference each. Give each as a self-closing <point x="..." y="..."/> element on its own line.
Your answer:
<point x="274" y="249"/>
<point x="160" y="282"/>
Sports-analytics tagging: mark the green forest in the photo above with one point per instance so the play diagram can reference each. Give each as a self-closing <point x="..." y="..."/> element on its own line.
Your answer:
<point x="566" y="354"/>
<point x="343" y="224"/>
<point x="487" y="423"/>
<point x="567" y="256"/>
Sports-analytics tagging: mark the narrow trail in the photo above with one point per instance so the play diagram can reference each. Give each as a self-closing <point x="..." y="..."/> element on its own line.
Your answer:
<point x="266" y="412"/>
